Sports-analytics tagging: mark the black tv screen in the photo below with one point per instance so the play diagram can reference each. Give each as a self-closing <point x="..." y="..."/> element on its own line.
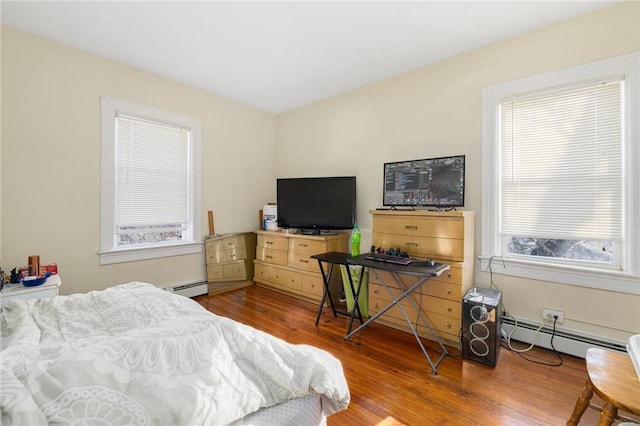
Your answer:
<point x="431" y="182"/>
<point x="317" y="203"/>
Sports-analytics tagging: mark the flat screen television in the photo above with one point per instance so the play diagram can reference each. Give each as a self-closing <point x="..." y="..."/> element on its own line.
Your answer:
<point x="431" y="182"/>
<point x="316" y="204"/>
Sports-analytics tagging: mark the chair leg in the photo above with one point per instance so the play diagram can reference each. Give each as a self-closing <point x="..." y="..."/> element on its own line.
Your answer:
<point x="581" y="404"/>
<point x="609" y="413"/>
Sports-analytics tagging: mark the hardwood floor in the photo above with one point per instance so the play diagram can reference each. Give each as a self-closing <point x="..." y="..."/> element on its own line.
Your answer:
<point x="391" y="382"/>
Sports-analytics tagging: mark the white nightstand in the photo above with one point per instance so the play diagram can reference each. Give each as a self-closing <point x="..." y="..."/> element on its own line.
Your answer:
<point x="18" y="291"/>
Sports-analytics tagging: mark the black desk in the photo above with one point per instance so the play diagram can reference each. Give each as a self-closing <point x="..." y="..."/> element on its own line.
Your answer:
<point x="331" y="259"/>
<point x="416" y="268"/>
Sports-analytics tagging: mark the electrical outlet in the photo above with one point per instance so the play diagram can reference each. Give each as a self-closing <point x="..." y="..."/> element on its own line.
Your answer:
<point x="549" y="314"/>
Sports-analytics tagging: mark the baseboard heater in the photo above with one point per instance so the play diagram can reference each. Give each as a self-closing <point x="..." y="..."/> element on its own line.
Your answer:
<point x="568" y="342"/>
<point x="189" y="289"/>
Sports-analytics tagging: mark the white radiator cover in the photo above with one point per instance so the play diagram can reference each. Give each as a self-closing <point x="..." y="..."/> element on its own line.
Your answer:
<point x="566" y="341"/>
<point x="188" y="289"/>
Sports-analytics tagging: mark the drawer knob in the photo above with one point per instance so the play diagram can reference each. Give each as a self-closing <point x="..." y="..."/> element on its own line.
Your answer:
<point x="412" y="227"/>
<point x="448" y="274"/>
<point x="269" y="257"/>
<point x="304" y="245"/>
<point x="448" y="325"/>
<point x="304" y="261"/>
<point x="269" y="242"/>
<point x="448" y="291"/>
<point x="449" y="309"/>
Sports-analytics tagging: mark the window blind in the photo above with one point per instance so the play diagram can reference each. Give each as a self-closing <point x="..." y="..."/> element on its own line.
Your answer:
<point x="561" y="163"/>
<point x="152" y="173"/>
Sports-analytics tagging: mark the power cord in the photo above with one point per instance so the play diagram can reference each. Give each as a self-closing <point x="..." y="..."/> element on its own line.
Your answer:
<point x="492" y="284"/>
<point x="507" y="340"/>
<point x="521" y="352"/>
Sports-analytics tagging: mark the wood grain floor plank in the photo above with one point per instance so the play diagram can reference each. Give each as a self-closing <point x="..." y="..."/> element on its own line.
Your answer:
<point x="391" y="383"/>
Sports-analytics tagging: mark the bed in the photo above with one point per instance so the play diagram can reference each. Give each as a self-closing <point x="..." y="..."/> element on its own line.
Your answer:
<point x="135" y="354"/>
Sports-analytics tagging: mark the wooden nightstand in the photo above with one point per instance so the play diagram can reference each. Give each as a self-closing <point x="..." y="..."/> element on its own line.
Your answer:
<point x="18" y="291"/>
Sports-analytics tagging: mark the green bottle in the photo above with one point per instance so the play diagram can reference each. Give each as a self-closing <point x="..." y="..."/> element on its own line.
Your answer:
<point x="355" y="241"/>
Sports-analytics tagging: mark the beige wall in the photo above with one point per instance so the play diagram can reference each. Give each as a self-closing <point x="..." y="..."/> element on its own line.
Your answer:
<point x="436" y="111"/>
<point x="50" y="163"/>
<point x="51" y="160"/>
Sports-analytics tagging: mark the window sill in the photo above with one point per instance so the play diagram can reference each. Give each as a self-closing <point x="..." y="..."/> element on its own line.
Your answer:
<point x="582" y="277"/>
<point x="136" y="254"/>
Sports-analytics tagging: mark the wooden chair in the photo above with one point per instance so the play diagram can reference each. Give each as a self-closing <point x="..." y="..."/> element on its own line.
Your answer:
<point x="612" y="377"/>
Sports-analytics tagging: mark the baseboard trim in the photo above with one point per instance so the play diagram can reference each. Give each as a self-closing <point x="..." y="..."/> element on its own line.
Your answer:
<point x="566" y="341"/>
<point x="188" y="289"/>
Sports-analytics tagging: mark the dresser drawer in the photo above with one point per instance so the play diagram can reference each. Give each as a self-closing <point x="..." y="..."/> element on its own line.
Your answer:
<point x="277" y="275"/>
<point x="436" y="227"/>
<point x="442" y="323"/>
<point x="226" y="243"/>
<point x="276" y="257"/>
<point x="312" y="285"/>
<point x="406" y="280"/>
<point x="440" y="306"/>
<point x="420" y="246"/>
<point x="261" y="272"/>
<point x="379" y="300"/>
<point x="214" y="272"/>
<point x="443" y="290"/>
<point x="453" y="275"/>
<point x="231" y="255"/>
<point x="308" y="246"/>
<point x="235" y="270"/>
<point x="229" y="271"/>
<point x="303" y="261"/>
<point x="275" y="242"/>
<point x="293" y="280"/>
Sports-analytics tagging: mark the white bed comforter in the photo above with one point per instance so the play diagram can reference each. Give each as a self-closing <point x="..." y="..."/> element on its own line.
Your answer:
<point x="135" y="354"/>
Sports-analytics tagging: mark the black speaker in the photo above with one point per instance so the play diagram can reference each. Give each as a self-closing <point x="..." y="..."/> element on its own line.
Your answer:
<point x="481" y="325"/>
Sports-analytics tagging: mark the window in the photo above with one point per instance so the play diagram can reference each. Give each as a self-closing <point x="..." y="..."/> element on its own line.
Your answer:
<point x="559" y="155"/>
<point x="150" y="183"/>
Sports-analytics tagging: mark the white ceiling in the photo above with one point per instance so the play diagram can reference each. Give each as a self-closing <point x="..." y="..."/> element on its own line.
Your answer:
<point x="280" y="55"/>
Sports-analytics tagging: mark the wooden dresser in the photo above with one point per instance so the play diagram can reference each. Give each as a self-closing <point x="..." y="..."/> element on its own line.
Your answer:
<point x="229" y="261"/>
<point x="283" y="262"/>
<point x="446" y="237"/>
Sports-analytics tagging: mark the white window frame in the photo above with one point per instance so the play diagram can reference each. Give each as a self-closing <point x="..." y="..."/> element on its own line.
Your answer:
<point x="108" y="253"/>
<point x="628" y="279"/>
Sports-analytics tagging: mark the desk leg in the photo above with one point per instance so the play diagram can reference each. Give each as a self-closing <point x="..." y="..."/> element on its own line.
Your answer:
<point x="356" y="297"/>
<point x="407" y="295"/>
<point x="396" y="301"/>
<point x="425" y="322"/>
<point x="326" y="279"/>
<point x="383" y="310"/>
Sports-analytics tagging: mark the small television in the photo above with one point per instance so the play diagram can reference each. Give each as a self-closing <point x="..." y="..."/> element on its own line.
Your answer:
<point x="431" y="182"/>
<point x="316" y="204"/>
